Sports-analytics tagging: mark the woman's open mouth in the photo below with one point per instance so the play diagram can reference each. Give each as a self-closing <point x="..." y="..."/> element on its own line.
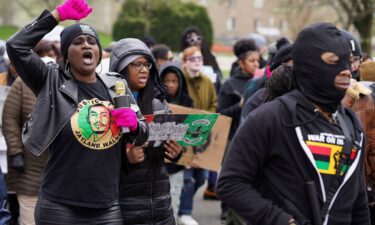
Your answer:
<point x="87" y="58"/>
<point x="143" y="80"/>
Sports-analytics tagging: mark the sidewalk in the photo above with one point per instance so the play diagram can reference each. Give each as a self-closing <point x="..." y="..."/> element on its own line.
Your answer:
<point x="206" y="212"/>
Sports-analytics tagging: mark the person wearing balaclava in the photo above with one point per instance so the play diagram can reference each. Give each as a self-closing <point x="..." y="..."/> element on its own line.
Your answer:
<point x="299" y="159"/>
<point x="74" y="119"/>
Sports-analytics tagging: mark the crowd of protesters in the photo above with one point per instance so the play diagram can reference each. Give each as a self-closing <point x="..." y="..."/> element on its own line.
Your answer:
<point x="300" y="148"/>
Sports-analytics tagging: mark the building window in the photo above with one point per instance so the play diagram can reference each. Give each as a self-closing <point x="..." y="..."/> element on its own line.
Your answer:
<point x="257" y="24"/>
<point x="231" y="24"/>
<point x="232" y="3"/>
<point x="271" y="21"/>
<point x="204" y="2"/>
<point x="283" y="25"/>
<point x="258" y="4"/>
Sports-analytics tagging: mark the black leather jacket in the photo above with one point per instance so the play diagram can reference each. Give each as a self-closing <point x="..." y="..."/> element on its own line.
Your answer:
<point x="56" y="91"/>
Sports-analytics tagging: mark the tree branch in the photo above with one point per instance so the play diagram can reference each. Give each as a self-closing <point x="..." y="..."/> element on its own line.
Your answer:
<point x="25" y="8"/>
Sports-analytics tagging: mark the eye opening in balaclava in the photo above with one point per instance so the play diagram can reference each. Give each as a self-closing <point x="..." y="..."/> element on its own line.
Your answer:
<point x="330" y="58"/>
<point x="315" y="78"/>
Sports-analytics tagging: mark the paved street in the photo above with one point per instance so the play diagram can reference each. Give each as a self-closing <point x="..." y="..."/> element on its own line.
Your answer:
<point x="206" y="212"/>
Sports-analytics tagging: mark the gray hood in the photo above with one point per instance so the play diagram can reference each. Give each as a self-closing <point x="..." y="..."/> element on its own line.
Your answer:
<point x="127" y="47"/>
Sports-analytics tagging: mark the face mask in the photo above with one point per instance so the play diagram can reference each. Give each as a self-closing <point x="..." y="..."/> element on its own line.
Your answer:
<point x="316" y="78"/>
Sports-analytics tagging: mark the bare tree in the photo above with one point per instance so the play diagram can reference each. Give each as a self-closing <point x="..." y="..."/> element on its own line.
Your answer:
<point x="357" y="13"/>
<point x="32" y="7"/>
<point x="293" y="9"/>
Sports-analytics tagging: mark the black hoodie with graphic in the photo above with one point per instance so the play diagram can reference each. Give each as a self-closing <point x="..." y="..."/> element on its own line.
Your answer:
<point x="285" y="143"/>
<point x="282" y="145"/>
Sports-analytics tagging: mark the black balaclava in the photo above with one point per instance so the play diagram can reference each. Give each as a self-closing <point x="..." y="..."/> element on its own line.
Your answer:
<point x="314" y="77"/>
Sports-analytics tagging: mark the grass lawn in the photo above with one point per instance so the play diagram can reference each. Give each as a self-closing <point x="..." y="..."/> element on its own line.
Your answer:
<point x="105" y="39"/>
<point x="7" y="31"/>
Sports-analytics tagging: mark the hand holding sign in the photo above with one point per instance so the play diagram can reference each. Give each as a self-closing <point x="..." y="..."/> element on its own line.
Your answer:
<point x="135" y="154"/>
<point x="173" y="149"/>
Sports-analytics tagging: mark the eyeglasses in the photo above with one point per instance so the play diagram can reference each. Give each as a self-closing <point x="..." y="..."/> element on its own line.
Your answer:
<point x="195" y="58"/>
<point x="139" y="66"/>
<point x="194" y="39"/>
<point x="356" y="60"/>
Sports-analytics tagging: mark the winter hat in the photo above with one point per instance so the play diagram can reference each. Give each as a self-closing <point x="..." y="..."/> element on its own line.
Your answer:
<point x="283" y="54"/>
<point x="73" y="31"/>
<point x="367" y="71"/>
<point x="353" y="43"/>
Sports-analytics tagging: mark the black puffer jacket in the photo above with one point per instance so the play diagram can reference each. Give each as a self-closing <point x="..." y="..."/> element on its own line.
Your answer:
<point x="144" y="188"/>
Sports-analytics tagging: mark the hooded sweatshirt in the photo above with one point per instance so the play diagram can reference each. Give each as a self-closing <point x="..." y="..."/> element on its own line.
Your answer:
<point x="285" y="143"/>
<point x="144" y="189"/>
<point x="182" y="98"/>
<point x="276" y="151"/>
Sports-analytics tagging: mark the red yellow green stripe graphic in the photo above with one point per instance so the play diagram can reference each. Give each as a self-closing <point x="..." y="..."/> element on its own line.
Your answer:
<point x="324" y="156"/>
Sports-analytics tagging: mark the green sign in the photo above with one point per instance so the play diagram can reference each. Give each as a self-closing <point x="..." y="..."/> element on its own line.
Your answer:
<point x="186" y="129"/>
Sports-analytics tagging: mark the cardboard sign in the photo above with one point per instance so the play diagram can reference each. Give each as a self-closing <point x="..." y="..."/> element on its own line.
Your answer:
<point x="209" y="155"/>
<point x="186" y="129"/>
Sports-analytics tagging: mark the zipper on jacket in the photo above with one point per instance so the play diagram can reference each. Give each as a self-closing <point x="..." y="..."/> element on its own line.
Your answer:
<point x="347" y="175"/>
<point x="65" y="122"/>
<point x="359" y="152"/>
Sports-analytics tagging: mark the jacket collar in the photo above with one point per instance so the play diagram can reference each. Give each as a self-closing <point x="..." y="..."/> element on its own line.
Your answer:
<point x="69" y="87"/>
<point x="109" y="79"/>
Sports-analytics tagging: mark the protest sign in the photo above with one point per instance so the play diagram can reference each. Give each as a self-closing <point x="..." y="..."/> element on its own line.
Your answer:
<point x="186" y="129"/>
<point x="210" y="155"/>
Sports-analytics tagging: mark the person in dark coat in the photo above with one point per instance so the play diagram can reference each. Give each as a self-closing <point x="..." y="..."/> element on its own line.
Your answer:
<point x="24" y="168"/>
<point x="173" y="78"/>
<point x="81" y="178"/>
<point x="300" y="158"/>
<point x="145" y="190"/>
<point x="230" y="100"/>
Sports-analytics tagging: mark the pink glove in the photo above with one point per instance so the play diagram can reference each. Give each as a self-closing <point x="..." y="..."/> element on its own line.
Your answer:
<point x="73" y="9"/>
<point x="125" y="117"/>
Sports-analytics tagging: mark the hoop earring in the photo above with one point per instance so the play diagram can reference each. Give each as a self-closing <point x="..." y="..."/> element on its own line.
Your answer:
<point x="101" y="68"/>
<point x="66" y="69"/>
